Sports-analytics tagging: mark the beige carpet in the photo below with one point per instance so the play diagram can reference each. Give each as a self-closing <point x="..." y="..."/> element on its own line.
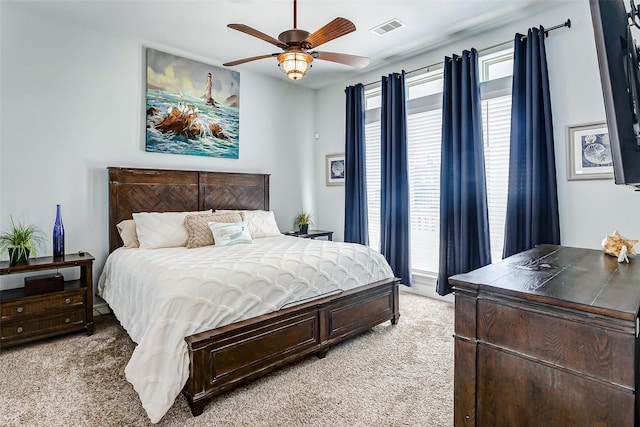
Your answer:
<point x="390" y="376"/>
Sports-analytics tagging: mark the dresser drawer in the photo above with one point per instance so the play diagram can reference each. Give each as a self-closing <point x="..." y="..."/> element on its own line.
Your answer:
<point x="43" y="303"/>
<point x="572" y="342"/>
<point x="49" y="325"/>
<point x="515" y="391"/>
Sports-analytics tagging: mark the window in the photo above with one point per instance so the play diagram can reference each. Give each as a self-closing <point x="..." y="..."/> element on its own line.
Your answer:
<point x="373" y="167"/>
<point x="424" y="131"/>
<point x="424" y="127"/>
<point x="426" y="84"/>
<point x="496" y="65"/>
<point x="373" y="100"/>
<point x="496" y="129"/>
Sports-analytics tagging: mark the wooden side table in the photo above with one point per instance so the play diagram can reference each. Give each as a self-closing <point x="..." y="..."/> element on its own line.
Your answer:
<point x="311" y="234"/>
<point x="30" y="318"/>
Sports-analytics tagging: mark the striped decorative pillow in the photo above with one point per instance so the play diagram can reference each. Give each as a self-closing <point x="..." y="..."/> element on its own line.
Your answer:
<point x="225" y="234"/>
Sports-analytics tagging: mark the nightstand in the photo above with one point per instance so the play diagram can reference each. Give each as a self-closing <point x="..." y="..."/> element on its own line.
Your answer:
<point x="311" y="234"/>
<point x="30" y="318"/>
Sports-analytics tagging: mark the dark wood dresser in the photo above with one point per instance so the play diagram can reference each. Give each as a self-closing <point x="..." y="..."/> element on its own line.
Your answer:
<point x="548" y="337"/>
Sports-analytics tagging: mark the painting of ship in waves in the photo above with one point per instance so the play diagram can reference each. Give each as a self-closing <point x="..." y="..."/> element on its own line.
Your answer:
<point x="192" y="107"/>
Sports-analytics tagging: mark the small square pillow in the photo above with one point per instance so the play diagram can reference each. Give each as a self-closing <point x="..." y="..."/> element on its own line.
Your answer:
<point x="162" y="229"/>
<point x="225" y="234"/>
<point x="198" y="228"/>
<point x="261" y="224"/>
<point x="127" y="230"/>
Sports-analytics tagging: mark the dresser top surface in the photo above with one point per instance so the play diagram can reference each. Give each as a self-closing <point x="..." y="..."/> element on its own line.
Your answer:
<point x="587" y="279"/>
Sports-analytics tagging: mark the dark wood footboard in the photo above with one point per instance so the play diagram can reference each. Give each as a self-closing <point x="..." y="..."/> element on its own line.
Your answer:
<point x="224" y="358"/>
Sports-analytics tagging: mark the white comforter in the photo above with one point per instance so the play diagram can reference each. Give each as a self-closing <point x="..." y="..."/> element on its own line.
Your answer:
<point x="161" y="296"/>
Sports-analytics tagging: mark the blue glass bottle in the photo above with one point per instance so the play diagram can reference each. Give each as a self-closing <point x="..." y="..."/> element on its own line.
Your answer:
<point x="58" y="235"/>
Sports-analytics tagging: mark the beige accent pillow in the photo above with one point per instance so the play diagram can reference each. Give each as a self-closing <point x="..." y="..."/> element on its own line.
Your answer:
<point x="198" y="227"/>
<point x="127" y="230"/>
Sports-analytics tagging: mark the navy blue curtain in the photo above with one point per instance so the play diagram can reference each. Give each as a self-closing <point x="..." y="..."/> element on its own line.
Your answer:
<point x="464" y="218"/>
<point x="532" y="202"/>
<point x="356" y="227"/>
<point x="394" y="198"/>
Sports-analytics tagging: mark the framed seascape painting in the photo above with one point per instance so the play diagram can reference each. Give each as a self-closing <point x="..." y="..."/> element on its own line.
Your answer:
<point x="335" y="169"/>
<point x="589" y="152"/>
<point x="192" y="107"/>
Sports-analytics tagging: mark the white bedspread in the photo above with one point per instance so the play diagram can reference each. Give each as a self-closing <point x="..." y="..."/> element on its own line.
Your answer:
<point x="161" y="296"/>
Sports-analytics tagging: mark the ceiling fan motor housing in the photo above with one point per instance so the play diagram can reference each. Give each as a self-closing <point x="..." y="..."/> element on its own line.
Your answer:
<point x="293" y="37"/>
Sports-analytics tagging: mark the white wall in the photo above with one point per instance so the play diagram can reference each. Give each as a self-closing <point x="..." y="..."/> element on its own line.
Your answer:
<point x="73" y="104"/>
<point x="589" y="210"/>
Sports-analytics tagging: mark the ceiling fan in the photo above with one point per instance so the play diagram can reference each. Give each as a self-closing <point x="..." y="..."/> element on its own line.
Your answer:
<point x="298" y="44"/>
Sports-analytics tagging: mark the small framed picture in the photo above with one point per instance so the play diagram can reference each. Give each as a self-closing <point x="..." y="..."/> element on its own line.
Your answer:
<point x="335" y="169"/>
<point x="589" y="154"/>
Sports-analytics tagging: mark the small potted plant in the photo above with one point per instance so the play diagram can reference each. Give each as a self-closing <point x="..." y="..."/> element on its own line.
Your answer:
<point x="302" y="221"/>
<point x="20" y="241"/>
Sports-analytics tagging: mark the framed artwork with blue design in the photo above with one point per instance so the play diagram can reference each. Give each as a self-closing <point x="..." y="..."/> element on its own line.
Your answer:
<point x="335" y="169"/>
<point x="589" y="153"/>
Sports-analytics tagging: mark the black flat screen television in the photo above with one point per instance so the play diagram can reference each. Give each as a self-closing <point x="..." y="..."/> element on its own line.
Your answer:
<point x="620" y="76"/>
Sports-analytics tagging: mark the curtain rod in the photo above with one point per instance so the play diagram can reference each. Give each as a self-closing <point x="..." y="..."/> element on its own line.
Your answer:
<point x="566" y="23"/>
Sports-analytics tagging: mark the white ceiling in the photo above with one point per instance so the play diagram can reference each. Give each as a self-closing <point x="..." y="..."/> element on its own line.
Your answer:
<point x="199" y="27"/>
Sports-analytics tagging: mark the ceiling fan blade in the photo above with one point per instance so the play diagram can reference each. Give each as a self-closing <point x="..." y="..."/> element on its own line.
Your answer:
<point x="255" y="33"/>
<point x="342" y="58"/>
<point x="334" y="29"/>
<point x="253" y="58"/>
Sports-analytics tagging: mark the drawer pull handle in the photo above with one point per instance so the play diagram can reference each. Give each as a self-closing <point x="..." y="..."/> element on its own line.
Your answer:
<point x="67" y="320"/>
<point x="19" y="330"/>
<point x="20" y="309"/>
<point x="67" y="300"/>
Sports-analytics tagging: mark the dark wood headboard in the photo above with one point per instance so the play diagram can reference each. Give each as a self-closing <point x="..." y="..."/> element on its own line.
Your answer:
<point x="161" y="190"/>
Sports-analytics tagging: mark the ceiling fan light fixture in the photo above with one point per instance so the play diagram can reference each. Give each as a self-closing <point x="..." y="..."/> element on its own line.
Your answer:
<point x="295" y="61"/>
<point x="294" y="64"/>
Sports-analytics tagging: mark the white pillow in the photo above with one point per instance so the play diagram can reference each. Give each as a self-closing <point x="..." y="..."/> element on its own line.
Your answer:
<point x="261" y="224"/>
<point x="162" y="229"/>
<point x="237" y="211"/>
<point x="127" y="230"/>
<point x="229" y="233"/>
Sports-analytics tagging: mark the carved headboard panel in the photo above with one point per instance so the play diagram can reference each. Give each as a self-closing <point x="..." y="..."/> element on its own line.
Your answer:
<point x="161" y="190"/>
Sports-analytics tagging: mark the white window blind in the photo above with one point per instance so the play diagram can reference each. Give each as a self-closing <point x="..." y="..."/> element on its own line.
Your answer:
<point x="496" y="125"/>
<point x="424" y="131"/>
<point x="372" y="164"/>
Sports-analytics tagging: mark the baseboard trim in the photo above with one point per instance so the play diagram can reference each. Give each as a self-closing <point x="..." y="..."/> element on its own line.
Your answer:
<point x="101" y="308"/>
<point x="425" y="284"/>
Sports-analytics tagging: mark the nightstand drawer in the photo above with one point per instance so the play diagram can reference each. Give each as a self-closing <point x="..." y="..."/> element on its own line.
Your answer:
<point x="42" y="325"/>
<point x="40" y="304"/>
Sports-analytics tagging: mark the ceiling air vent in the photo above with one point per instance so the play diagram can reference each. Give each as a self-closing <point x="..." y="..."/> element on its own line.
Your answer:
<point x="388" y="26"/>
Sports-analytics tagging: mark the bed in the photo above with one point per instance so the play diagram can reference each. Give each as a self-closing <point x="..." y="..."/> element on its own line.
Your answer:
<point x="225" y="357"/>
